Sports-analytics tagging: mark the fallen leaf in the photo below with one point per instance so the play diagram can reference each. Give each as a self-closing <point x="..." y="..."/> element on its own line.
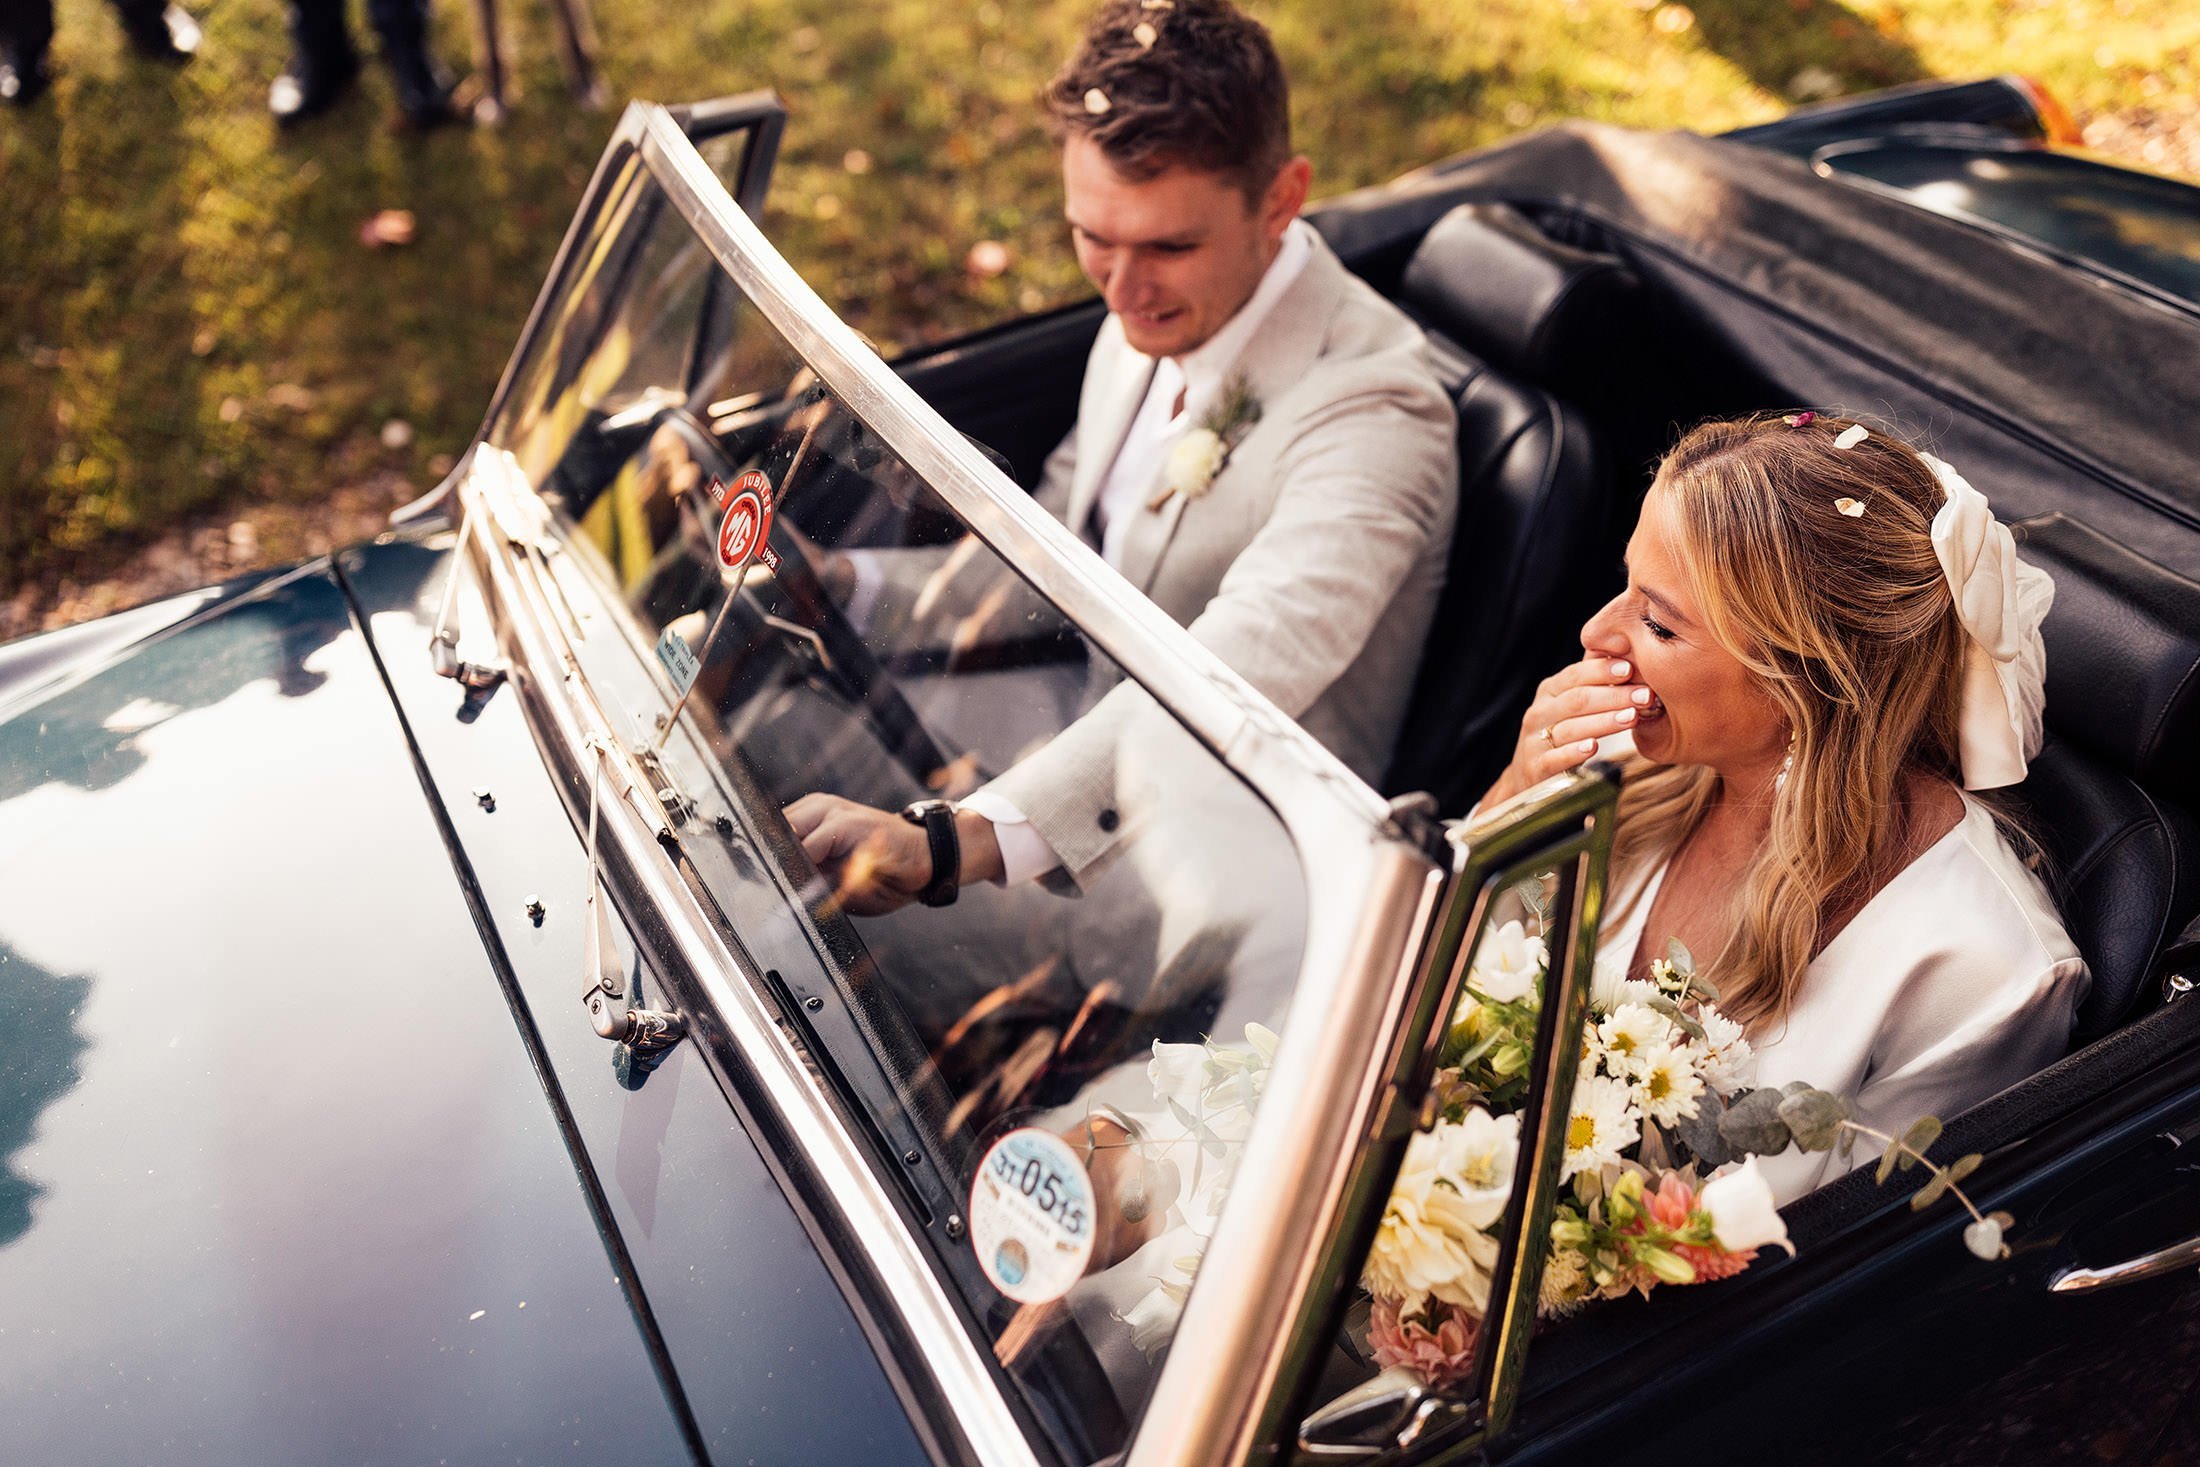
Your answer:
<point x="388" y="227"/>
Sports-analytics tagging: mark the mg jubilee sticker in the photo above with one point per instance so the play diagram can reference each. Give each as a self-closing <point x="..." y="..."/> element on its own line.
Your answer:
<point x="747" y="522"/>
<point x="1031" y="1216"/>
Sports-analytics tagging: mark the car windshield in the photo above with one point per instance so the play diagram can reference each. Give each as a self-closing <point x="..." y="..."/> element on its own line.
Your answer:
<point x="1002" y="1050"/>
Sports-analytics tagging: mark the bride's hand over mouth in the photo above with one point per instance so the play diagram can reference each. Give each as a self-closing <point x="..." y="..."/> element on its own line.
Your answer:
<point x="1574" y="707"/>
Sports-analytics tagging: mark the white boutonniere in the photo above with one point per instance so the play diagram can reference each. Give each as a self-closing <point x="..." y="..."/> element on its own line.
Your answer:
<point x="1202" y="453"/>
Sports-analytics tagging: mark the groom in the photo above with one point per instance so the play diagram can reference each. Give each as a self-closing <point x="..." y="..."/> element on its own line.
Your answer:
<point x="1261" y="447"/>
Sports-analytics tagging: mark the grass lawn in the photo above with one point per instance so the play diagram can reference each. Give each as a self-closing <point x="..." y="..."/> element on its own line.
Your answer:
<point x="189" y="322"/>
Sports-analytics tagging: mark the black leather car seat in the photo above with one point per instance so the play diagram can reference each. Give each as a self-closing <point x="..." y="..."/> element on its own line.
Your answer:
<point x="1507" y="310"/>
<point x="2123" y="717"/>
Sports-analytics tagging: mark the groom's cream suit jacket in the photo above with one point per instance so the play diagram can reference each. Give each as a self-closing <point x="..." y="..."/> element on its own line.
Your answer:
<point x="1311" y="564"/>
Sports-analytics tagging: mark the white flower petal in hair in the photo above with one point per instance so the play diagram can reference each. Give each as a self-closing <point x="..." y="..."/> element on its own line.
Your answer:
<point x="1096" y="101"/>
<point x="2000" y="601"/>
<point x="1853" y="508"/>
<point x="1852" y="435"/>
<point x="1145" y="34"/>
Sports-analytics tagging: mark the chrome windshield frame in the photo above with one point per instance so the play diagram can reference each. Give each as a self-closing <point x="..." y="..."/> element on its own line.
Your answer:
<point x="1370" y="889"/>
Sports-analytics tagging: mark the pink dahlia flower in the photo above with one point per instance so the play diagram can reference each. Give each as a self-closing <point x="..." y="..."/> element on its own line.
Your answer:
<point x="1437" y="1344"/>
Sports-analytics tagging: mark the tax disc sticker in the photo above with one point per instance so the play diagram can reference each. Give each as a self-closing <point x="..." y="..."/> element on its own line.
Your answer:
<point x="1031" y="1216"/>
<point x="747" y="521"/>
<point x="678" y="658"/>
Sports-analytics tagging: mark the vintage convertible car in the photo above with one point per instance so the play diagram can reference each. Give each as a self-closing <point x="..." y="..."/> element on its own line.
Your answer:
<point x="457" y="1060"/>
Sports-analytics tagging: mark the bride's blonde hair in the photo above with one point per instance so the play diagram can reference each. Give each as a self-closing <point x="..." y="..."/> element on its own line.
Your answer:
<point x="1849" y="628"/>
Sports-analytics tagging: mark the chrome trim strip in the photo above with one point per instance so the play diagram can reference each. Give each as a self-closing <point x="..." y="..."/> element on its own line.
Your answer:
<point x="2131" y="1271"/>
<point x="535" y="645"/>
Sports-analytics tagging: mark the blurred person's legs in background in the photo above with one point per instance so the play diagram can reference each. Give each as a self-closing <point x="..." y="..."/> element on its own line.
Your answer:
<point x="154" y="29"/>
<point x="323" y="61"/>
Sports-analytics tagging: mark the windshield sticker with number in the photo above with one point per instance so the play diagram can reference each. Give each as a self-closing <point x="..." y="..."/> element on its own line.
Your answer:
<point x="1031" y="1216"/>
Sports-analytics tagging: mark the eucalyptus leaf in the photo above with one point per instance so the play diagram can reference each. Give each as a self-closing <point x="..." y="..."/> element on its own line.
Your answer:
<point x="1888" y="1160"/>
<point x="1931" y="1192"/>
<point x="1677" y="953"/>
<point x="1672" y="1011"/>
<point x="2003" y="1218"/>
<point x="1814" y="1117"/>
<point x="1963" y="1166"/>
<point x="1752" y="1124"/>
<point x="1699" y="1133"/>
<point x="1921" y="1135"/>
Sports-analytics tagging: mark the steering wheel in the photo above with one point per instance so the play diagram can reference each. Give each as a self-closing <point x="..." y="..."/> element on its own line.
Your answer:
<point x="836" y="647"/>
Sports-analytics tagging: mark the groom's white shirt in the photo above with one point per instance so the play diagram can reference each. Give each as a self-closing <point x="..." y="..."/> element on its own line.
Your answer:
<point x="1199" y="375"/>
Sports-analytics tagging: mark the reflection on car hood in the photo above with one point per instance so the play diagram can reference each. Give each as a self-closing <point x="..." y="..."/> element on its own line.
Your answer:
<point x="277" y="1182"/>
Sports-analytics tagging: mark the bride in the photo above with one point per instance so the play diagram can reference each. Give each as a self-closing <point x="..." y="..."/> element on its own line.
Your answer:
<point x="1825" y="646"/>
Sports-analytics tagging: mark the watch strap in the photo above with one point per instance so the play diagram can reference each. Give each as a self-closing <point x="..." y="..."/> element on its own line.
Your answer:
<point x="938" y="819"/>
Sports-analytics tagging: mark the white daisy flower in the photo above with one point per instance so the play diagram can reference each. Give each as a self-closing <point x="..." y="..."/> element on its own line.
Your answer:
<point x="1507" y="964"/>
<point x="1666" y="1083"/>
<point x="1726" y="1062"/>
<point x="1604" y="1124"/>
<point x="1610" y="987"/>
<point x="1627" y="1032"/>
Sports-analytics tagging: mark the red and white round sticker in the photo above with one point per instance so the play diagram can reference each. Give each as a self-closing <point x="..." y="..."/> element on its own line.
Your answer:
<point x="748" y="519"/>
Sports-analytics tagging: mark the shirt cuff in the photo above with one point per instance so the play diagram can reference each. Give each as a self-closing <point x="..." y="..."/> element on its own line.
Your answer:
<point x="1025" y="854"/>
<point x="870" y="583"/>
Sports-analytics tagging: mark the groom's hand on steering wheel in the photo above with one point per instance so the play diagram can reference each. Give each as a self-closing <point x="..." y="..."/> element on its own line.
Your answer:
<point x="877" y="861"/>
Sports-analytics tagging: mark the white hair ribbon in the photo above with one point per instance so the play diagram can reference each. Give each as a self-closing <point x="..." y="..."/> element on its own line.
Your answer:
<point x="2001" y="601"/>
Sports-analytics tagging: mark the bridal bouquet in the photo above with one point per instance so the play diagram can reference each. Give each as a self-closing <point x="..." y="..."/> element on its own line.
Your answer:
<point x="1659" y="1155"/>
<point x="1659" y="1061"/>
<point x="1661" y="1095"/>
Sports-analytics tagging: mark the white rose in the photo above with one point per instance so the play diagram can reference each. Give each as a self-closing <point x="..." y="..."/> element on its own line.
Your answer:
<point x="1194" y="462"/>
<point x="1507" y="964"/>
<point x="1178" y="1072"/>
<point x="1742" y="1212"/>
<point x="1452" y="1186"/>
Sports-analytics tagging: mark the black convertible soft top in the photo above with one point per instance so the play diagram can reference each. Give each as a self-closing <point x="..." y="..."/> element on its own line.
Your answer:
<point x="2050" y="388"/>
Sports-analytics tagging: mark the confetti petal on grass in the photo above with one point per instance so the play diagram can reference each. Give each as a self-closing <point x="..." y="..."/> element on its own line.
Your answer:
<point x="1852" y="435"/>
<point x="388" y="227"/>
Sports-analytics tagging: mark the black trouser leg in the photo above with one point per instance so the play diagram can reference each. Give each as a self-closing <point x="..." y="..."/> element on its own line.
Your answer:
<point x="403" y="28"/>
<point x="320" y="39"/>
<point x="26" y="29"/>
<point x="140" y="15"/>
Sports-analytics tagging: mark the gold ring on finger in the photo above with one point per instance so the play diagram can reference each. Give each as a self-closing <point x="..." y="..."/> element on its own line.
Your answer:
<point x="1548" y="737"/>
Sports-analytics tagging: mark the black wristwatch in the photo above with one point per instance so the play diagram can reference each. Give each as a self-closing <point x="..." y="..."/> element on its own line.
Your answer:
<point x="938" y="819"/>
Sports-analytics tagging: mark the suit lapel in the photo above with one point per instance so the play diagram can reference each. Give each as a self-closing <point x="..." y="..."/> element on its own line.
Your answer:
<point x="1115" y="385"/>
<point x="1275" y="358"/>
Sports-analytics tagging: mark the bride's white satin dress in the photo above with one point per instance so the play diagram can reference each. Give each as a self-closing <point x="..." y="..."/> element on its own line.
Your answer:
<point x="1955" y="981"/>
